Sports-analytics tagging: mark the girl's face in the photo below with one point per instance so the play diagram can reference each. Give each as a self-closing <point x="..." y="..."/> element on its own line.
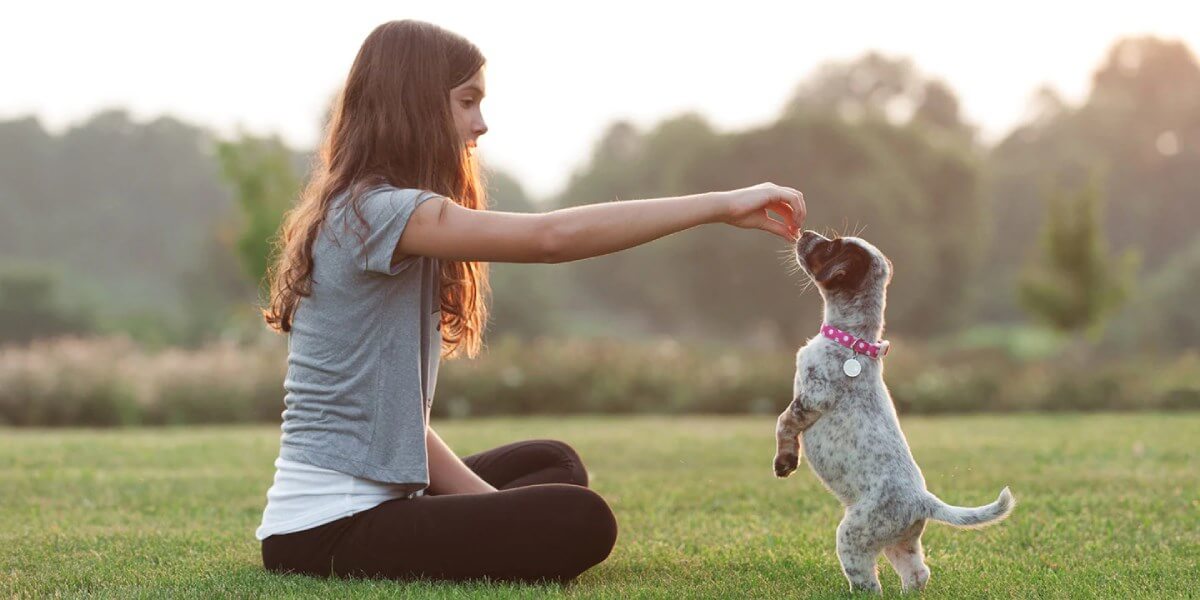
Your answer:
<point x="464" y="104"/>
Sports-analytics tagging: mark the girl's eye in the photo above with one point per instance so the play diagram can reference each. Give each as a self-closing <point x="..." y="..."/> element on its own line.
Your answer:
<point x="468" y="102"/>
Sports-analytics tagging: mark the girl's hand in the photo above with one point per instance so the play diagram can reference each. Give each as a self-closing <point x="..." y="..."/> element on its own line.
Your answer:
<point x="750" y="208"/>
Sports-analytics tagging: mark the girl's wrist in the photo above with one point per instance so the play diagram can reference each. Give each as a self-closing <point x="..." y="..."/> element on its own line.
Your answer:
<point x="721" y="204"/>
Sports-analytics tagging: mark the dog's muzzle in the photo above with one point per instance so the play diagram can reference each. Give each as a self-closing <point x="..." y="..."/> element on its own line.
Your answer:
<point x="807" y="242"/>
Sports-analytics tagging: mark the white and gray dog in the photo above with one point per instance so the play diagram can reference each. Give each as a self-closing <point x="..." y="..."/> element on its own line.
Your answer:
<point x="845" y="415"/>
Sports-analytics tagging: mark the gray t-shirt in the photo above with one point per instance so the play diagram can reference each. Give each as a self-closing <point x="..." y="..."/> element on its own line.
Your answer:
<point x="364" y="348"/>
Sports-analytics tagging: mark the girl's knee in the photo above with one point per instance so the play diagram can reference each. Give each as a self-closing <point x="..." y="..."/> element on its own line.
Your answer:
<point x="593" y="526"/>
<point x="570" y="460"/>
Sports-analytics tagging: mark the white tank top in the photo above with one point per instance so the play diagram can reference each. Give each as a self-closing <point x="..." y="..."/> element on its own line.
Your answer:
<point x="305" y="496"/>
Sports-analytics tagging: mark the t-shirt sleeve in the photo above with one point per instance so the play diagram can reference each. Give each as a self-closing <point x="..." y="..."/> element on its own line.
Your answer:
<point x="387" y="213"/>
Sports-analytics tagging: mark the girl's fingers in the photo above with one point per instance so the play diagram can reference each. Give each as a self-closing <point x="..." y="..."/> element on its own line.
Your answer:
<point x="772" y="226"/>
<point x="799" y="209"/>
<point x="785" y="210"/>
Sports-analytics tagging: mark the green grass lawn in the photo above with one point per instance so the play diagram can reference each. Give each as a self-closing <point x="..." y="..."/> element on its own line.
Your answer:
<point x="1109" y="507"/>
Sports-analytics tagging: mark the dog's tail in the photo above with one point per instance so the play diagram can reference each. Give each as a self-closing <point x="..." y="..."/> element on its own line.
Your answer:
<point x="970" y="518"/>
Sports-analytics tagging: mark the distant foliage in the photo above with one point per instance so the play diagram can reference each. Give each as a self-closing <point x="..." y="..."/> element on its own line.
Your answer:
<point x="1074" y="284"/>
<point x="164" y="231"/>
<point x="30" y="308"/>
<point x="265" y="185"/>
<point x="877" y="149"/>
<point x="1135" y="133"/>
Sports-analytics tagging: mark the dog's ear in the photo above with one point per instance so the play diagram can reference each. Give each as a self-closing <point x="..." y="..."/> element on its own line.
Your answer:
<point x="846" y="270"/>
<point x="831" y="270"/>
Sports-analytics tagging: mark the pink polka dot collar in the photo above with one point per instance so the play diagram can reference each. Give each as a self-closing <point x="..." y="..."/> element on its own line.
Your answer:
<point x="874" y="350"/>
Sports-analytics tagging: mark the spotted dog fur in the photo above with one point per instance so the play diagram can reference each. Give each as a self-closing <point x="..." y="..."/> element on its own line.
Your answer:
<point x="849" y="428"/>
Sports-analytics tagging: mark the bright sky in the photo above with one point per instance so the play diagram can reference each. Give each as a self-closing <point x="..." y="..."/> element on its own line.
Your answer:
<point x="558" y="73"/>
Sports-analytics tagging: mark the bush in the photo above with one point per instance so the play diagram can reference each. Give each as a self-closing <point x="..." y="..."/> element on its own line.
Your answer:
<point x="608" y="376"/>
<point x="115" y="382"/>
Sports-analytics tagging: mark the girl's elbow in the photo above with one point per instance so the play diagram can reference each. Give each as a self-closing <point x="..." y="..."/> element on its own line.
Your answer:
<point x="553" y="242"/>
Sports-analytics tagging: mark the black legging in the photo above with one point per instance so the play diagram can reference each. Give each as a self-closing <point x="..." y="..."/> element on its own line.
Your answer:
<point x="543" y="524"/>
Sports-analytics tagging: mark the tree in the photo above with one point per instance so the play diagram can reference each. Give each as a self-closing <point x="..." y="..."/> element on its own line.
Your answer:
<point x="526" y="299"/>
<point x="218" y="299"/>
<point x="1164" y="317"/>
<point x="28" y="308"/>
<point x="119" y="208"/>
<point x="913" y="184"/>
<point x="871" y="86"/>
<point x="265" y="187"/>
<point x="1136" y="132"/>
<point x="1075" y="284"/>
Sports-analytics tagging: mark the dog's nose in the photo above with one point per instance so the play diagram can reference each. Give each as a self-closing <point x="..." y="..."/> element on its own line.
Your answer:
<point x="807" y="240"/>
<point x="810" y="234"/>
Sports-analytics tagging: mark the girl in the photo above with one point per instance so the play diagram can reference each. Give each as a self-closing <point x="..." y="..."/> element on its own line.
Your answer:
<point x="381" y="271"/>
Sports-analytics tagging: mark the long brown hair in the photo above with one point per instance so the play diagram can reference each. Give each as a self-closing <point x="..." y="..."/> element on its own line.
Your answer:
<point x="392" y="124"/>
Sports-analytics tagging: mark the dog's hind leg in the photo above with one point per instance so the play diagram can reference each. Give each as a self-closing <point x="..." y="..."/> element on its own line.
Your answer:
<point x="908" y="559"/>
<point x="857" y="549"/>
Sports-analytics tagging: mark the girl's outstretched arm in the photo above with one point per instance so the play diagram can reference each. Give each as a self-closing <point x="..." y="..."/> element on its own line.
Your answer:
<point x="442" y="229"/>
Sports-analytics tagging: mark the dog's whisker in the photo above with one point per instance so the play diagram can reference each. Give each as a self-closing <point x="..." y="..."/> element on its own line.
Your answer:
<point x="805" y="285"/>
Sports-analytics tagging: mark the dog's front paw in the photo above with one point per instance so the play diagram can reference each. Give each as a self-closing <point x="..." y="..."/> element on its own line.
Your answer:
<point x="785" y="464"/>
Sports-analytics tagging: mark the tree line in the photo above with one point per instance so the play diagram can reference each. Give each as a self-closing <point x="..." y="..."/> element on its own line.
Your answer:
<point x="1081" y="216"/>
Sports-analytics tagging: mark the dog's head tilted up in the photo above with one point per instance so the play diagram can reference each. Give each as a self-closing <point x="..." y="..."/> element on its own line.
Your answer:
<point x="852" y="276"/>
<point x="844" y="266"/>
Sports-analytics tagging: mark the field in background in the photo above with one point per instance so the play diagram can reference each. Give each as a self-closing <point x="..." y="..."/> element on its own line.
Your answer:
<point x="1109" y="507"/>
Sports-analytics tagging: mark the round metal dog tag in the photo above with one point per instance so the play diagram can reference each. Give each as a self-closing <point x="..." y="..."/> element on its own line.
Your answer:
<point x="852" y="367"/>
